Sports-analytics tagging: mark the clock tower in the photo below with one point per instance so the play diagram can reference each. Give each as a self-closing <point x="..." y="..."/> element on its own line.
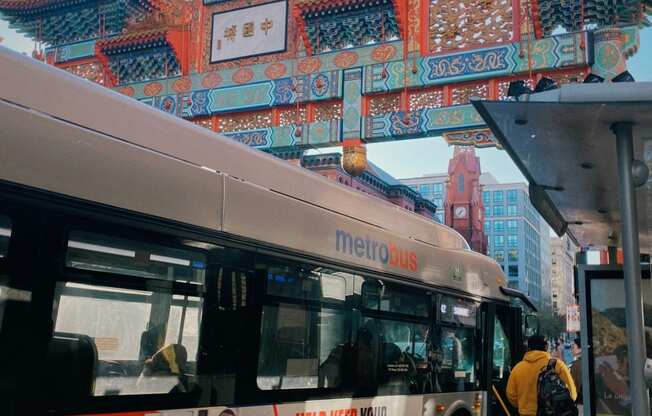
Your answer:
<point x="463" y="207"/>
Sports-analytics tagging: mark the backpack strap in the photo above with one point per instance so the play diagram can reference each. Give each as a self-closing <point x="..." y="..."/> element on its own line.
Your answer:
<point x="552" y="364"/>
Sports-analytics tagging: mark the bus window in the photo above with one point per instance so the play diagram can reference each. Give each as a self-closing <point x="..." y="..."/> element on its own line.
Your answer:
<point x="108" y="254"/>
<point x="301" y="348"/>
<point x="5" y="235"/>
<point x="455" y="362"/>
<point x="392" y="352"/>
<point x="304" y="334"/>
<point x="403" y="356"/>
<point x="143" y="333"/>
<point x="458" y="311"/>
<point x="382" y="297"/>
<point x="501" y="354"/>
<point x="145" y="341"/>
<point x="306" y="283"/>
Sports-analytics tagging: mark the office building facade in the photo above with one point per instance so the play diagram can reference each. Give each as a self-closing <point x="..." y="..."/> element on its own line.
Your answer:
<point x="431" y="187"/>
<point x="518" y="238"/>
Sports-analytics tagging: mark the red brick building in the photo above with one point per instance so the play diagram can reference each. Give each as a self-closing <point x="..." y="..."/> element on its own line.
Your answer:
<point x="373" y="181"/>
<point x="463" y="209"/>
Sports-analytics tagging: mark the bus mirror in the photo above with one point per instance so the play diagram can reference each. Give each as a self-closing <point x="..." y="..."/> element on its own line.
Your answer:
<point x="531" y="325"/>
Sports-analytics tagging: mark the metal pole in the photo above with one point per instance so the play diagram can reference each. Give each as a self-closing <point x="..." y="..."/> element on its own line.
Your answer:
<point x="632" y="268"/>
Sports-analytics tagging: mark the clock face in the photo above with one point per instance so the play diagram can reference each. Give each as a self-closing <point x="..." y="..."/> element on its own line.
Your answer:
<point x="460" y="212"/>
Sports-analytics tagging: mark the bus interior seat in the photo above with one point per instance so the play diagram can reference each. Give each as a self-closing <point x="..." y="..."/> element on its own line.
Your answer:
<point x="71" y="364"/>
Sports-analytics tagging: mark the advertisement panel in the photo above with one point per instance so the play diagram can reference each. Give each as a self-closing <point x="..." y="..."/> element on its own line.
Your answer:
<point x="609" y="339"/>
<point x="573" y="318"/>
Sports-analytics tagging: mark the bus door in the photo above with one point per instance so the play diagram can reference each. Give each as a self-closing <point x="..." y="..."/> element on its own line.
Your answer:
<point x="504" y="343"/>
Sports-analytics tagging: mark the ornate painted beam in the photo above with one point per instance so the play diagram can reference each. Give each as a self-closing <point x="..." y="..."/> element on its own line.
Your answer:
<point x="350" y="70"/>
<point x="366" y="83"/>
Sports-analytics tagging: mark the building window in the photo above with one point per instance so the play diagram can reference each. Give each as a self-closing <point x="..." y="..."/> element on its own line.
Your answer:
<point x="499" y="255"/>
<point x="424" y="188"/>
<point x="499" y="241"/>
<point x="512" y="271"/>
<point x="460" y="183"/>
<point x="487" y="212"/>
<point x="511" y="195"/>
<point x="499" y="210"/>
<point x="486" y="197"/>
<point x="487" y="227"/>
<point x="512" y="241"/>
<point x="512" y="255"/>
<point x="511" y="210"/>
<point x="512" y="225"/>
<point x="499" y="226"/>
<point x="438" y="188"/>
<point x="498" y="196"/>
<point x="439" y="202"/>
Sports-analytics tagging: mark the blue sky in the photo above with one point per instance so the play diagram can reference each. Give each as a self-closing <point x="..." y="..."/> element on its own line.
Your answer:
<point x="422" y="156"/>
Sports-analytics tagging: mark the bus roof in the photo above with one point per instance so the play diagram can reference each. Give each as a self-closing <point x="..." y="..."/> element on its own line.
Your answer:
<point x="67" y="135"/>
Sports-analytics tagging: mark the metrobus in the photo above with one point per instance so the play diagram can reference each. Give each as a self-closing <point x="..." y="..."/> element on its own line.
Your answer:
<point x="151" y="267"/>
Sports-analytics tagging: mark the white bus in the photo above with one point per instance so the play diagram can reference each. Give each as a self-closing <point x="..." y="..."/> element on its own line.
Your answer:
<point x="151" y="267"/>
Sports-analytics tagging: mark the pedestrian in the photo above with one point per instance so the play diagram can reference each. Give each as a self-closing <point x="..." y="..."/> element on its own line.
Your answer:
<point x="576" y="371"/>
<point x="523" y="383"/>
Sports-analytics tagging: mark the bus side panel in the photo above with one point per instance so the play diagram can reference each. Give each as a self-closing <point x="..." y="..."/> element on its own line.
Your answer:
<point x="43" y="160"/>
<point x="412" y="405"/>
<point x="257" y="213"/>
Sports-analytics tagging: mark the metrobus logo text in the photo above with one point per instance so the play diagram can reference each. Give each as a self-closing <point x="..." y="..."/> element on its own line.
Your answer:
<point x="385" y="253"/>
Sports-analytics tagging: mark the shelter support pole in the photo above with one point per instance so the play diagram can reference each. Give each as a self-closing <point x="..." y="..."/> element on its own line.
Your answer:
<point x="632" y="269"/>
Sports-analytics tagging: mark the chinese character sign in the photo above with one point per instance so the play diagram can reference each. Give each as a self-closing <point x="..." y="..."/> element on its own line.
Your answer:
<point x="249" y="31"/>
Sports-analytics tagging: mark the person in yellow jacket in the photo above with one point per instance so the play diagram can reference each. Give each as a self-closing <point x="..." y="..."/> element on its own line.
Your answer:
<point x="522" y="383"/>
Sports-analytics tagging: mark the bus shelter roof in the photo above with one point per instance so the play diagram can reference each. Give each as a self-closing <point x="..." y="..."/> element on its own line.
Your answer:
<point x="562" y="142"/>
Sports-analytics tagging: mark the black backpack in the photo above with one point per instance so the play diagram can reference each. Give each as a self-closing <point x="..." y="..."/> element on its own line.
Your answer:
<point x="553" y="397"/>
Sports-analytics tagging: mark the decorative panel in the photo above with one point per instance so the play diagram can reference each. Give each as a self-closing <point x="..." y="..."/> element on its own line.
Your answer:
<point x="205" y="122"/>
<point x="432" y="98"/>
<point x="322" y="133"/>
<point x="455" y="24"/>
<point x="245" y="121"/>
<point x="261" y="138"/>
<point x="326" y="111"/>
<point x="462" y="94"/>
<point x="420" y="123"/>
<point x="567" y="50"/>
<point x="473" y="137"/>
<point x="352" y="104"/>
<point x="243" y="97"/>
<point x="288" y="115"/>
<point x="383" y="103"/>
<point x="74" y="51"/>
<point x="91" y="71"/>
